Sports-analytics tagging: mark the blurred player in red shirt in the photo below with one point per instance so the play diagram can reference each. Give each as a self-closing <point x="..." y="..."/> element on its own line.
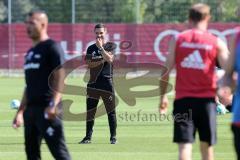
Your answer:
<point x="194" y="53"/>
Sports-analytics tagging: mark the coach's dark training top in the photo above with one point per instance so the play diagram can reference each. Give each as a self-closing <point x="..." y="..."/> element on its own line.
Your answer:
<point x="94" y="54"/>
<point x="40" y="61"/>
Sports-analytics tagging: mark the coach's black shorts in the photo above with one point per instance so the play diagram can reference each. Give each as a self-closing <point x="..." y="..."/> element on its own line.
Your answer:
<point x="194" y="114"/>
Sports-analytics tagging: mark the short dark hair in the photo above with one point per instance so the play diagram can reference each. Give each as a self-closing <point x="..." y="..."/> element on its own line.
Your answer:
<point x="32" y="12"/>
<point x="199" y="12"/>
<point x="99" y="25"/>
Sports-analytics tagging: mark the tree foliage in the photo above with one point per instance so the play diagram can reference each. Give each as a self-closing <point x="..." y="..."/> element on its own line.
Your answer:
<point x="120" y="11"/>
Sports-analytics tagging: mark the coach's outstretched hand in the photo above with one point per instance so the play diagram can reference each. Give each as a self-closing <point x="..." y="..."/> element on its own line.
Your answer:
<point x="163" y="105"/>
<point x="18" y="120"/>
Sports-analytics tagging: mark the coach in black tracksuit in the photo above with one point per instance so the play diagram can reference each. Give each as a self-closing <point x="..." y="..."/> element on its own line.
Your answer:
<point x="99" y="59"/>
<point x="40" y="105"/>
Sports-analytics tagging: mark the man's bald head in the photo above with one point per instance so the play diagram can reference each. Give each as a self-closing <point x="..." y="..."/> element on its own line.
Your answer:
<point x="39" y="15"/>
<point x="36" y="24"/>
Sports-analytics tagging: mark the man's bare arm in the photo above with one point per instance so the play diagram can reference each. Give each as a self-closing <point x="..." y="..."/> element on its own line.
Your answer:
<point x="169" y="64"/>
<point x="165" y="77"/>
<point x="91" y="64"/>
<point x="56" y="82"/>
<point x="107" y="56"/>
<point x="223" y="54"/>
<point x="18" y="119"/>
<point x="230" y="62"/>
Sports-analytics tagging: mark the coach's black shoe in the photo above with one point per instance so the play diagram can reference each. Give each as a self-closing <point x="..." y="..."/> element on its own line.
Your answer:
<point x="86" y="140"/>
<point x="113" y="140"/>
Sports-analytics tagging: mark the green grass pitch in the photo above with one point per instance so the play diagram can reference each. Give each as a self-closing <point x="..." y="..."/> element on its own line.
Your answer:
<point x="139" y="138"/>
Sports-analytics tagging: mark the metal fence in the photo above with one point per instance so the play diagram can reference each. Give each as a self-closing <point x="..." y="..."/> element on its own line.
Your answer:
<point x="148" y="24"/>
<point x="116" y="11"/>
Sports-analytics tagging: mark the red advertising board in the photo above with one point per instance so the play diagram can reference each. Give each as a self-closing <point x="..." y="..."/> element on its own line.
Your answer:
<point x="140" y="42"/>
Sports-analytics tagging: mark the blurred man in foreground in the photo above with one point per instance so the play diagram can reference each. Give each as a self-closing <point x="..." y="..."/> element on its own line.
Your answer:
<point x="41" y="100"/>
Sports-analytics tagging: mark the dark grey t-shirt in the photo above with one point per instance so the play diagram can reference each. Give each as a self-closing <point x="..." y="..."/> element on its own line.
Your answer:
<point x="94" y="54"/>
<point x="40" y="62"/>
